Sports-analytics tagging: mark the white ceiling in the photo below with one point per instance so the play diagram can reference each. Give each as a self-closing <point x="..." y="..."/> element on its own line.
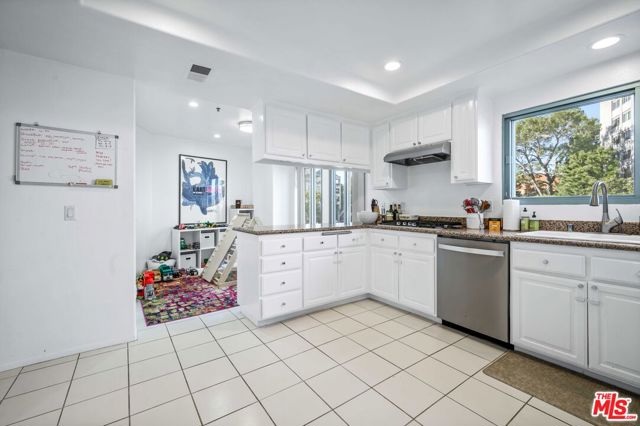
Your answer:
<point x="324" y="55"/>
<point x="161" y="111"/>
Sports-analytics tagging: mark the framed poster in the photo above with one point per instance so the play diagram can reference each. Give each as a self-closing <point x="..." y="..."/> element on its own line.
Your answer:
<point x="203" y="190"/>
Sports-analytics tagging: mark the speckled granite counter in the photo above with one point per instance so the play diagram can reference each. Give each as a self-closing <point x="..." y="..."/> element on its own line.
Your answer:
<point x="473" y="234"/>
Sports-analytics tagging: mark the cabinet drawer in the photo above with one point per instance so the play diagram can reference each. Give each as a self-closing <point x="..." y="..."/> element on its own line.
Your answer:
<point x="281" y="304"/>
<point x="352" y="240"/>
<point x="616" y="270"/>
<point x="188" y="260"/>
<point x="320" y="242"/>
<point x="207" y="240"/>
<point x="424" y="245"/>
<point x="556" y="263"/>
<point x="281" y="281"/>
<point x="280" y="246"/>
<point x="384" y="240"/>
<point x="283" y="262"/>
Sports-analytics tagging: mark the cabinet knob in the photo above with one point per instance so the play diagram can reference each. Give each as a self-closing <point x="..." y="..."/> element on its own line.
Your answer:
<point x="381" y="239"/>
<point x="580" y="285"/>
<point x="414" y="144"/>
<point x="387" y="184"/>
<point x="545" y="262"/>
<point x="415" y="244"/>
<point x="335" y="252"/>
<point x="283" y="263"/>
<point x="419" y="143"/>
<point x="303" y="155"/>
<point x="321" y="242"/>
<point x="455" y="177"/>
<point x="344" y="159"/>
<point x="283" y="246"/>
<point x="310" y="155"/>
<point x="340" y="251"/>
<point x="283" y="304"/>
<point x="395" y="252"/>
<point x="594" y="287"/>
<point x="354" y="239"/>
<point x="399" y="254"/>
<point x="283" y="283"/>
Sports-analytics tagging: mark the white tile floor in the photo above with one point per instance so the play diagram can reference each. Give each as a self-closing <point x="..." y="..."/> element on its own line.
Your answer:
<point x="361" y="363"/>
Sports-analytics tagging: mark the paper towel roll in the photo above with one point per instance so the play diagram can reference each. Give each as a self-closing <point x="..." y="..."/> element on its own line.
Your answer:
<point x="511" y="215"/>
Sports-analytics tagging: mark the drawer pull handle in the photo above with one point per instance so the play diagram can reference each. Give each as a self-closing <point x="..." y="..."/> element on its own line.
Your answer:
<point x="321" y="242"/>
<point x="581" y="299"/>
<point x="382" y="239"/>
<point x="415" y="244"/>
<point x="283" y="246"/>
<point x="283" y="304"/>
<point x="580" y="285"/>
<point x="594" y="302"/>
<point x="594" y="287"/>
<point x="340" y="252"/>
<point x="283" y="283"/>
<point x="545" y="262"/>
<point x="395" y="252"/>
<point x="399" y="254"/>
<point x="206" y="236"/>
<point x="283" y="263"/>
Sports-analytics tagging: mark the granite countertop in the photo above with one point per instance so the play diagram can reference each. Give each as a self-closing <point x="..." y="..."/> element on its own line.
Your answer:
<point x="472" y="234"/>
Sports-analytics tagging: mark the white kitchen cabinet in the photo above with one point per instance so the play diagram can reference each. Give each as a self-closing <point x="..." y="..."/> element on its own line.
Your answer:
<point x="352" y="271"/>
<point x="434" y="126"/>
<point x="323" y="138"/>
<point x="404" y="132"/>
<point x="285" y="132"/>
<point x="385" y="175"/>
<point x="320" y="277"/>
<point x="471" y="141"/>
<point x="549" y="316"/>
<point x="384" y="272"/>
<point x="356" y="148"/>
<point x="614" y="338"/>
<point x="417" y="281"/>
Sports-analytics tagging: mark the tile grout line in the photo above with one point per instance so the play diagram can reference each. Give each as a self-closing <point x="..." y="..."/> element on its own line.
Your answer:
<point x="64" y="403"/>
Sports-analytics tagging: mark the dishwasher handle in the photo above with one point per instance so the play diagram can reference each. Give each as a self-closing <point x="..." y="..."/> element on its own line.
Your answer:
<point x="469" y="250"/>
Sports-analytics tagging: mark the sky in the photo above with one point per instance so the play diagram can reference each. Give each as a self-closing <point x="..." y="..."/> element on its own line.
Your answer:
<point x="592" y="110"/>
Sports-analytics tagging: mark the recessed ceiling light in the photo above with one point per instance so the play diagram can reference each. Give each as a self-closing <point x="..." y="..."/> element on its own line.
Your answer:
<point x="605" y="42"/>
<point x="194" y="104"/>
<point x="216" y="136"/>
<point x="245" y="126"/>
<point x="392" y="65"/>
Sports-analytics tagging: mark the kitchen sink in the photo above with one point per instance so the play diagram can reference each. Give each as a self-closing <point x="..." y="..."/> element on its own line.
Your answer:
<point x="587" y="236"/>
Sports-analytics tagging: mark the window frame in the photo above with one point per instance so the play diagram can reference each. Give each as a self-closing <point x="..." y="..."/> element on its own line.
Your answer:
<point x="508" y="164"/>
<point x="331" y="195"/>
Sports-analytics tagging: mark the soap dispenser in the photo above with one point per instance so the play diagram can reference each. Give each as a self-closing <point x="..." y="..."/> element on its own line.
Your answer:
<point x="534" y="223"/>
<point x="524" y="220"/>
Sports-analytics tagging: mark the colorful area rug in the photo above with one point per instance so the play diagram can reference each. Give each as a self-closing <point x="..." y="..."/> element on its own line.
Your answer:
<point x="186" y="297"/>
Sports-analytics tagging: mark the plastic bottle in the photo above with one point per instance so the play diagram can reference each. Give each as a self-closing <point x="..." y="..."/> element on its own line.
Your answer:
<point x="524" y="220"/>
<point x="534" y="223"/>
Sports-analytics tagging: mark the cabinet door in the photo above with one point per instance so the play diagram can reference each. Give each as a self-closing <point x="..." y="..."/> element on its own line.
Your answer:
<point x="384" y="175"/>
<point x="417" y="282"/>
<point x="286" y="132"/>
<point x="324" y="138"/>
<point x="614" y="339"/>
<point x="549" y="316"/>
<point x="352" y="270"/>
<point x="463" y="141"/>
<point x="384" y="273"/>
<point x="435" y="126"/>
<point x="404" y="132"/>
<point x="355" y="144"/>
<point x="320" y="277"/>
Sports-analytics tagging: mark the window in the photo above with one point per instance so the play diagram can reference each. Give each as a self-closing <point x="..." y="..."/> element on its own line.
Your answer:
<point x="554" y="153"/>
<point x="626" y="99"/>
<point x="327" y="196"/>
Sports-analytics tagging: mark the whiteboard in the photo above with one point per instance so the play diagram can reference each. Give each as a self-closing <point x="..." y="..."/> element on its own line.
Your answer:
<point x="53" y="156"/>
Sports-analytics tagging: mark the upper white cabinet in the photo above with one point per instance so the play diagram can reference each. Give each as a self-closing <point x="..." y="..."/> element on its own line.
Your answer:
<point x="285" y="132"/>
<point x="471" y="141"/>
<point x="385" y="175"/>
<point x="434" y="126"/>
<point x="323" y="138"/>
<point x="289" y="135"/>
<point x="404" y="132"/>
<point x="355" y="144"/>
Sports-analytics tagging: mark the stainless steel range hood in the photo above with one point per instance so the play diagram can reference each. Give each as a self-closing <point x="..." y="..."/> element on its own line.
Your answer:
<point x="421" y="154"/>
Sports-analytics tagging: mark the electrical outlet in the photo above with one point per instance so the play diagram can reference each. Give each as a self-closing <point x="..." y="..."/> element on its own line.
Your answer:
<point x="70" y="213"/>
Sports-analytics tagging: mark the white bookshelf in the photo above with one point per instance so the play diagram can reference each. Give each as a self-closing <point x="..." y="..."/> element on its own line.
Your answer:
<point x="208" y="239"/>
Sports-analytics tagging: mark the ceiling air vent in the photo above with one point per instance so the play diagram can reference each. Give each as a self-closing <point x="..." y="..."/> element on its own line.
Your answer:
<point x="198" y="73"/>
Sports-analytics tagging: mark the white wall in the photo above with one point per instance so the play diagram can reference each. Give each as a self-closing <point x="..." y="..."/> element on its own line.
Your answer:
<point x="65" y="287"/>
<point x="157" y="185"/>
<point x="431" y="193"/>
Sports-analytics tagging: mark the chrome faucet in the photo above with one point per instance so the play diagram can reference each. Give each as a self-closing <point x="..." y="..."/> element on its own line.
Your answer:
<point x="607" y="224"/>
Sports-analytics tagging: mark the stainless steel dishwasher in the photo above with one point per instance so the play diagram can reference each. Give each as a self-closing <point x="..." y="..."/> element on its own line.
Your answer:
<point x="473" y="285"/>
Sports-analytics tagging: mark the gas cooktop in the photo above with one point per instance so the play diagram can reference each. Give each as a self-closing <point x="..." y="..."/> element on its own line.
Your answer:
<point x="424" y="224"/>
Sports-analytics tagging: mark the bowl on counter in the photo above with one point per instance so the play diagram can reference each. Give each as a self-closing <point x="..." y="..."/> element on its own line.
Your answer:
<point x="367" y="217"/>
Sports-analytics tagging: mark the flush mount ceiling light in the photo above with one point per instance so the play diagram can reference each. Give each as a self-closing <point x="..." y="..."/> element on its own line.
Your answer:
<point x="605" y="42"/>
<point x="245" y="126"/>
<point x="392" y="66"/>
<point x="194" y="104"/>
<point x="217" y="136"/>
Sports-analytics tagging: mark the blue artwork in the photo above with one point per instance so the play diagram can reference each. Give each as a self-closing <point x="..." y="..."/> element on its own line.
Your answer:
<point x="203" y="195"/>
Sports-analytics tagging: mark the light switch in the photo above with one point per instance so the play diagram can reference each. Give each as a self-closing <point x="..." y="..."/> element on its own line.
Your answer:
<point x="69" y="212"/>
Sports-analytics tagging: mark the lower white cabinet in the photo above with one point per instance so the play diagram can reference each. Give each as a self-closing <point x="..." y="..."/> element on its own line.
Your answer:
<point x="417" y="281"/>
<point x="549" y="316"/>
<point x="320" y="277"/>
<point x="352" y="271"/>
<point x="614" y="337"/>
<point x="589" y="321"/>
<point x="384" y="273"/>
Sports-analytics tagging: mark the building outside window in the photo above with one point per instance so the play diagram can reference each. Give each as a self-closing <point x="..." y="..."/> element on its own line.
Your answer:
<point x="554" y="153"/>
<point x="327" y="196"/>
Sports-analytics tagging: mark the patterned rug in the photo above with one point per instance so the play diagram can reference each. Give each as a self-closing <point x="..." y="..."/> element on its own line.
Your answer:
<point x="186" y="297"/>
